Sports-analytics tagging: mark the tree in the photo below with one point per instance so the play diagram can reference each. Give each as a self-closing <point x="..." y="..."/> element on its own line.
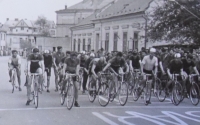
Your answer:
<point x="43" y="25"/>
<point x="171" y="20"/>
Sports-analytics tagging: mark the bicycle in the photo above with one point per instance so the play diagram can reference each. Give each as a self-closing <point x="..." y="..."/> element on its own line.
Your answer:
<point x="120" y="90"/>
<point x="69" y="91"/>
<point x="81" y="71"/>
<point x="140" y="88"/>
<point x="35" y="94"/>
<point x="14" y="77"/>
<point x="177" y="91"/>
<point x="194" y="90"/>
<point x="135" y="75"/>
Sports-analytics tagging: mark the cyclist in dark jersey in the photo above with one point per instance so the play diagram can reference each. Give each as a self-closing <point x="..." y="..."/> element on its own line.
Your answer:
<point x="134" y="61"/>
<point x="48" y="60"/>
<point x="57" y="58"/>
<point x="35" y="65"/>
<point x="71" y="66"/>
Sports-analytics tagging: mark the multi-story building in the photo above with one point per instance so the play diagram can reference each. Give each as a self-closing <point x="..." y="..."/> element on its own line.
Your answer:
<point x="119" y="26"/>
<point x="73" y="15"/>
<point x="23" y="30"/>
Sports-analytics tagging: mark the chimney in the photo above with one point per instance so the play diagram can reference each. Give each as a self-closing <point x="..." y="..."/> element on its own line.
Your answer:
<point x="65" y="6"/>
<point x="7" y="19"/>
<point x="16" y="19"/>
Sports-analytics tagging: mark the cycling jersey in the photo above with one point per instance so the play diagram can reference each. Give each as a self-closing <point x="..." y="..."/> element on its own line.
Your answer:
<point x="47" y="60"/>
<point x="58" y="57"/>
<point x="116" y="64"/>
<point x="34" y="62"/>
<point x="187" y="65"/>
<point x="99" y="65"/>
<point x="71" y="65"/>
<point x="135" y="61"/>
<point x="15" y="62"/>
<point x="175" y="66"/>
<point x="149" y="64"/>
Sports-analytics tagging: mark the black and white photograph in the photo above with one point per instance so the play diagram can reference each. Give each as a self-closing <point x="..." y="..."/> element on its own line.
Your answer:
<point x="99" y="62"/>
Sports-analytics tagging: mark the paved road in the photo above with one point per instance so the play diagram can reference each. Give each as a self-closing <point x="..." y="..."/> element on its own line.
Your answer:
<point x="14" y="111"/>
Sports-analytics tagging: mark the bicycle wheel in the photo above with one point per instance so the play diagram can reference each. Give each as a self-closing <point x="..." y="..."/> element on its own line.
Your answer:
<point x="137" y="91"/>
<point x="194" y="94"/>
<point x="147" y="94"/>
<point x="103" y="95"/>
<point x="123" y="93"/>
<point x="91" y="92"/>
<point x="131" y="84"/>
<point x="62" y="97"/>
<point x="161" y="94"/>
<point x="70" y="95"/>
<point x="177" y="93"/>
<point x="13" y="83"/>
<point x="36" y="95"/>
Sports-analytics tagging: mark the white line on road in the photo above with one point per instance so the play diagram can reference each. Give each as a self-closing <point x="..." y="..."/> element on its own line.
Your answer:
<point x="108" y="107"/>
<point x="104" y="118"/>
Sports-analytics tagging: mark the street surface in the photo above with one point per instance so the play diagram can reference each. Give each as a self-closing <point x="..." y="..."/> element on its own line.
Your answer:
<point x="13" y="110"/>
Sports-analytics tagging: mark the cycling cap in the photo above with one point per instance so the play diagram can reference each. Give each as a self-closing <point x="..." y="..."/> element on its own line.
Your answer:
<point x="13" y="51"/>
<point x="83" y="52"/>
<point x="92" y="55"/>
<point x="153" y="50"/>
<point x="177" y="55"/>
<point x="46" y="51"/>
<point x="35" y="50"/>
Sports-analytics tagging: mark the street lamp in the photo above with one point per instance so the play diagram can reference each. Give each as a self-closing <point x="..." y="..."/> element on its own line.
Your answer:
<point x="185" y="8"/>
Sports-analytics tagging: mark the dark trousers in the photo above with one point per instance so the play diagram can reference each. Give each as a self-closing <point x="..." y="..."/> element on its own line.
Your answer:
<point x="85" y="76"/>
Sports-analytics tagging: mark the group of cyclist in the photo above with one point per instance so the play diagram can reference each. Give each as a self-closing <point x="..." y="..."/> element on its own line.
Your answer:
<point x="162" y="64"/>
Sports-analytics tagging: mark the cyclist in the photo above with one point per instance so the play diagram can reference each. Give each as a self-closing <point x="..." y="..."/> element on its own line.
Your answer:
<point x="188" y="66"/>
<point x="134" y="61"/>
<point x="15" y="62"/>
<point x="116" y="63"/>
<point x="48" y="60"/>
<point x="175" y="66"/>
<point x="149" y="65"/>
<point x="96" y="65"/>
<point x="71" y="66"/>
<point x="57" y="58"/>
<point x="35" y="65"/>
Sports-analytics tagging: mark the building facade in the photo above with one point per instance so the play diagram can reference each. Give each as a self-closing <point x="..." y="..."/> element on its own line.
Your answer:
<point x="73" y="15"/>
<point x="118" y="27"/>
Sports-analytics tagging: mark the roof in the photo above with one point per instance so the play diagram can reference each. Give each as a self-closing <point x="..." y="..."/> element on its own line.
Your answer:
<point x="112" y="9"/>
<point x="123" y="7"/>
<point x="86" y="5"/>
<point x="91" y="4"/>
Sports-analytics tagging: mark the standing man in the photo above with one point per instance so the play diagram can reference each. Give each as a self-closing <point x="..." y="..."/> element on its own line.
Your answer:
<point x="57" y="58"/>
<point x="48" y="60"/>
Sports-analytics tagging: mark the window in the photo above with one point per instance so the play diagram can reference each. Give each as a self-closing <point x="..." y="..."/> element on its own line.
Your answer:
<point x="135" y="41"/>
<point x="115" y="41"/>
<point x="89" y="44"/>
<point x="11" y="29"/>
<point x="125" y="41"/>
<point x="79" y="45"/>
<point x="4" y="36"/>
<point x="27" y="30"/>
<point x="97" y="41"/>
<point x="74" y="45"/>
<point x="107" y="42"/>
<point x="22" y="28"/>
<point x="83" y="44"/>
<point x="16" y="30"/>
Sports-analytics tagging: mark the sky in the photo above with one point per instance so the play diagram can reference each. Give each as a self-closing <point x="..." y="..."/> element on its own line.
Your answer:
<point x="31" y="9"/>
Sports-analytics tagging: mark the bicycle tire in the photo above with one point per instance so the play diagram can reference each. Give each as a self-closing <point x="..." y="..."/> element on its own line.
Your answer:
<point x="103" y="95"/>
<point x="36" y="96"/>
<point x="137" y="93"/>
<point x="70" y="95"/>
<point x="194" y="94"/>
<point x="177" y="93"/>
<point x="161" y="94"/>
<point x="62" y="98"/>
<point x="13" y="83"/>
<point x="91" y="93"/>
<point x="123" y="92"/>
<point x="147" y="94"/>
